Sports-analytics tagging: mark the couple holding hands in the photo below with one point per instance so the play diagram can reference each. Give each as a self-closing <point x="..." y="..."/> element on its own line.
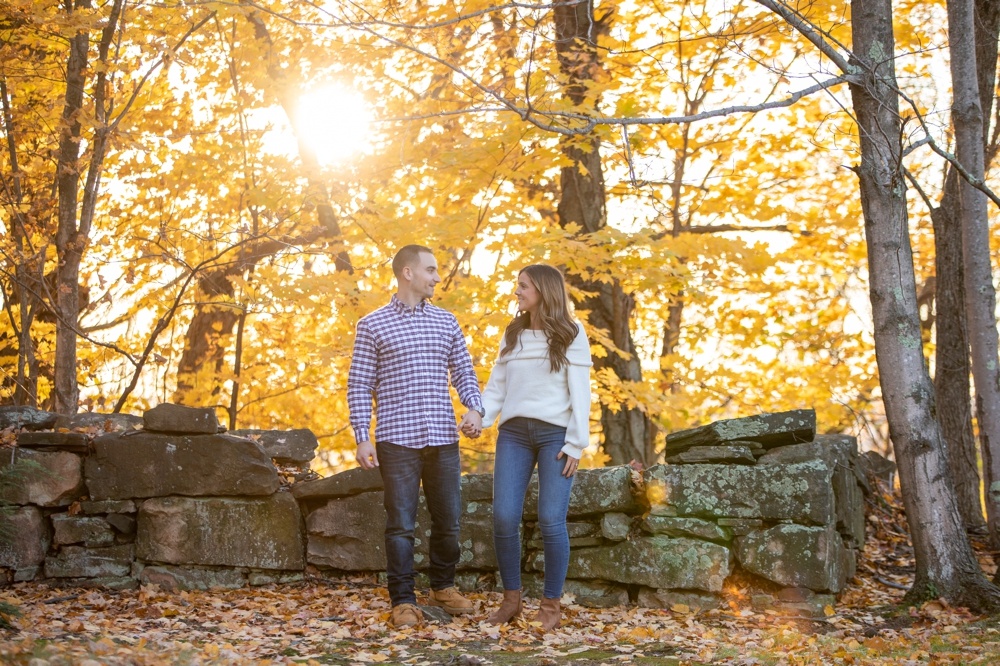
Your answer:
<point x="539" y="394"/>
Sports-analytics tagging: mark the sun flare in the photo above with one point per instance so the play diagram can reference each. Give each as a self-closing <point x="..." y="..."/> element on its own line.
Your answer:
<point x="334" y="122"/>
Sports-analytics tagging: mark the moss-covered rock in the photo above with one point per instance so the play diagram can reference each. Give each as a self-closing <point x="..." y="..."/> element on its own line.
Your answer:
<point x="655" y="561"/>
<point x="799" y="493"/>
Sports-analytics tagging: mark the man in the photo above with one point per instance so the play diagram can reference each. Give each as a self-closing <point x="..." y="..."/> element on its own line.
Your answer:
<point x="403" y="355"/>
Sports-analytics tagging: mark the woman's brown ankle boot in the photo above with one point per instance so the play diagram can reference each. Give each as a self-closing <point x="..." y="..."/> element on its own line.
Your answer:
<point x="510" y="608"/>
<point x="549" y="613"/>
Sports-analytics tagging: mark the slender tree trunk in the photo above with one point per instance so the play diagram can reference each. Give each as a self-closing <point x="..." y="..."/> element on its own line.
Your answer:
<point x="945" y="564"/>
<point x="73" y="227"/>
<point x="627" y="433"/>
<point x="980" y="296"/>
<point x="69" y="244"/>
<point x="951" y="366"/>
<point x="27" y="271"/>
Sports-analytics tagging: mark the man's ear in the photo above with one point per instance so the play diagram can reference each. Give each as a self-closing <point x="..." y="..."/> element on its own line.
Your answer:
<point x="407" y="273"/>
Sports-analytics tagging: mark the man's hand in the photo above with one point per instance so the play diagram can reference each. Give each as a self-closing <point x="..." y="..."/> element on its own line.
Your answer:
<point x="472" y="424"/>
<point x="366" y="456"/>
<point x="571" y="464"/>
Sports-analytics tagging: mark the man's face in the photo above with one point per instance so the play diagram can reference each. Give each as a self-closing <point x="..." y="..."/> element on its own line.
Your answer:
<point x="424" y="275"/>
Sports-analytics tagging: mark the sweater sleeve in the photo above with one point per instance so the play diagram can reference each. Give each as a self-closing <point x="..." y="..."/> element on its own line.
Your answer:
<point x="578" y="380"/>
<point x="495" y="393"/>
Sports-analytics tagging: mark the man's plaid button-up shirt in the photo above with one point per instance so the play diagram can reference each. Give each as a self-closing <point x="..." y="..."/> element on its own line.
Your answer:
<point x="403" y="358"/>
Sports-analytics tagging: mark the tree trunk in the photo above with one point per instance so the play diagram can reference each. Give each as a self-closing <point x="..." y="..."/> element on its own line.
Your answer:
<point x="69" y="244"/>
<point x="27" y="271"/>
<point x="980" y="296"/>
<point x="952" y="367"/>
<point x="627" y="433"/>
<point x="945" y="564"/>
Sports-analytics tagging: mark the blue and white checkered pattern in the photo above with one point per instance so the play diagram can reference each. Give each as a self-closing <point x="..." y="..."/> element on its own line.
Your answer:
<point x="403" y="357"/>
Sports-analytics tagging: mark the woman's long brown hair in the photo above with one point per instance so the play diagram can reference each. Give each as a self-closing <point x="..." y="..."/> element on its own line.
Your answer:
<point x="552" y="312"/>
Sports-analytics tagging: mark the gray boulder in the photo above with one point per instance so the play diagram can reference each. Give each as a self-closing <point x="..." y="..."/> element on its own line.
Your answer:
<point x="654" y="561"/>
<point x="262" y="533"/>
<point x="26" y="418"/>
<point x="141" y="464"/>
<point x="799" y="493"/>
<point x="840" y="453"/>
<point x="615" y="526"/>
<point x="796" y="556"/>
<point x="172" y="418"/>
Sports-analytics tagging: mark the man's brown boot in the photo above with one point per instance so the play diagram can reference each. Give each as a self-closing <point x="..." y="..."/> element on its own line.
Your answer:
<point x="549" y="614"/>
<point x="406" y="615"/>
<point x="510" y="608"/>
<point x="451" y="601"/>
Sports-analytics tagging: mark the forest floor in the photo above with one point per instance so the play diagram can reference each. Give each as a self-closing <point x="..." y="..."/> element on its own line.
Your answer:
<point x="346" y="622"/>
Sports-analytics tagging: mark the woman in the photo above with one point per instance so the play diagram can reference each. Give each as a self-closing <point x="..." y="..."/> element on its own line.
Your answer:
<point x="540" y="388"/>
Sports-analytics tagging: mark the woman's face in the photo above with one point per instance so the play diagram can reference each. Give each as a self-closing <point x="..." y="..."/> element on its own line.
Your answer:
<point x="527" y="294"/>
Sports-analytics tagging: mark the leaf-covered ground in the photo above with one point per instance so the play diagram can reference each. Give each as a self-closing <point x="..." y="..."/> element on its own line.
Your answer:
<point x="346" y="622"/>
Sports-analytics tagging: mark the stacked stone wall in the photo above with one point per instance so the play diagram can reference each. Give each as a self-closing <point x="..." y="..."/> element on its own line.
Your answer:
<point x="119" y="501"/>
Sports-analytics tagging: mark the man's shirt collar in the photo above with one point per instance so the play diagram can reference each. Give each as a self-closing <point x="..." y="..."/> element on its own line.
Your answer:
<point x="402" y="308"/>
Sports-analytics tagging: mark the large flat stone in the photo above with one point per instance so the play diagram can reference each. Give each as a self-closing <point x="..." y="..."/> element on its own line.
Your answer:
<point x="49" y="478"/>
<point x="76" y="442"/>
<point x="770" y="430"/>
<point x="262" y="533"/>
<point x="654" y="561"/>
<point x="800" y="492"/>
<point x="140" y="464"/>
<point x="352" y="482"/>
<point x="27" y="418"/>
<point x="96" y="423"/>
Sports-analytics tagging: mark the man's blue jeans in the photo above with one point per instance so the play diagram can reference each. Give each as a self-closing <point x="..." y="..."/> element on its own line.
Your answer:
<point x="403" y="469"/>
<point x="521" y="443"/>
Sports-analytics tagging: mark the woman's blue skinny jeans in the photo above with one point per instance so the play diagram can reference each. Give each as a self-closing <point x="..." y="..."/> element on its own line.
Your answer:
<point x="521" y="444"/>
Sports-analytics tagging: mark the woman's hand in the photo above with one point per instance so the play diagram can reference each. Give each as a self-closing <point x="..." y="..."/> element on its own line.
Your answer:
<point x="571" y="464"/>
<point x="472" y="424"/>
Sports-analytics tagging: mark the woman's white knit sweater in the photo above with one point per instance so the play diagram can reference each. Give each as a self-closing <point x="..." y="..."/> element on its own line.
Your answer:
<point x="523" y="384"/>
